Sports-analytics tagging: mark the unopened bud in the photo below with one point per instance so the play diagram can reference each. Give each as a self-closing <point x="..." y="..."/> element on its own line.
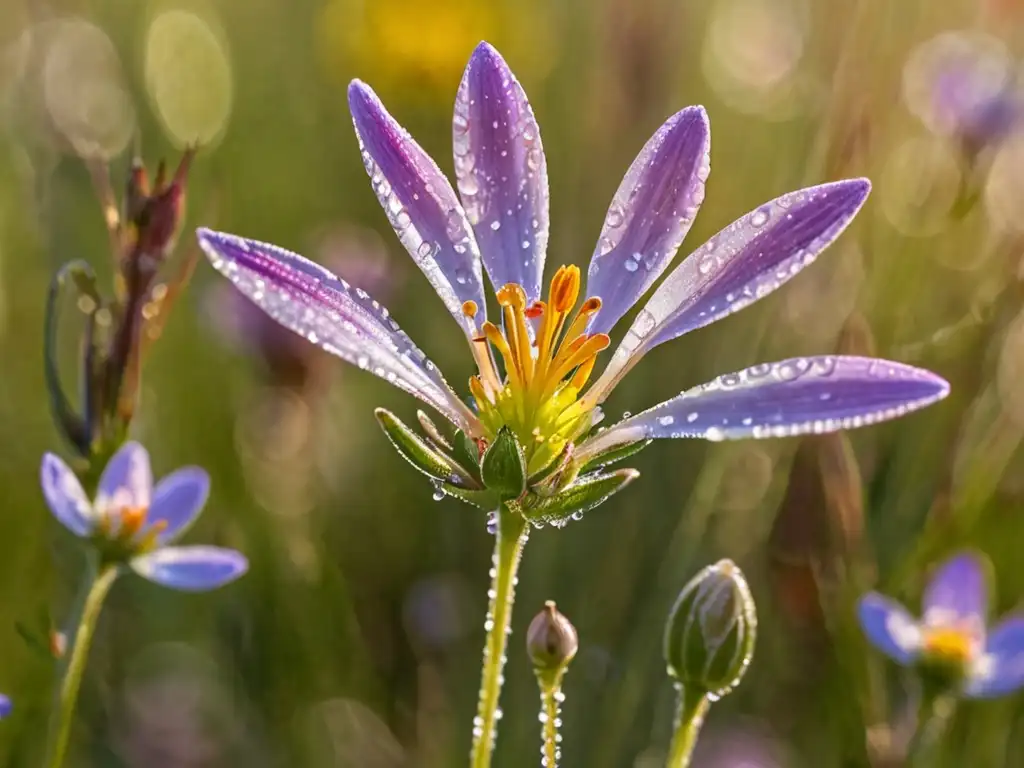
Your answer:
<point x="551" y="641"/>
<point x="709" y="638"/>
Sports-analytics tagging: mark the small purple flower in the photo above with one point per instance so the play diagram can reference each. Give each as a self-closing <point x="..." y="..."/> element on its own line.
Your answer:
<point x="6" y="706"/>
<point x="132" y="521"/>
<point x="497" y="222"/>
<point x="952" y="633"/>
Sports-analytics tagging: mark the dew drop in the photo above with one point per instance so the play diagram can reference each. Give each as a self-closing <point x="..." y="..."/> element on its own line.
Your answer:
<point x="666" y="421"/>
<point x="759" y="217"/>
<point x="615" y="217"/>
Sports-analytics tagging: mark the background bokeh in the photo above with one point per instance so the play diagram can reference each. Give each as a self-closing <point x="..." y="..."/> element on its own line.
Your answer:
<point x="356" y="638"/>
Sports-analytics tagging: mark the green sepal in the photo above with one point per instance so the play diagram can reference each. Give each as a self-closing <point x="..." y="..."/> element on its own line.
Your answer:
<point x="576" y="498"/>
<point x="434" y="435"/>
<point x="614" y="454"/>
<point x="485" y="500"/>
<point x="418" y="452"/>
<point x="503" y="467"/>
<point x="466" y="452"/>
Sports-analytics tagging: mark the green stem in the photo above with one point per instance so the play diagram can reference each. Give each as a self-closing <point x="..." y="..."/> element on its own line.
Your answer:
<point x="60" y="725"/>
<point x="508" y="548"/>
<point x="934" y="714"/>
<point x="693" y="706"/>
<point x="550" y="701"/>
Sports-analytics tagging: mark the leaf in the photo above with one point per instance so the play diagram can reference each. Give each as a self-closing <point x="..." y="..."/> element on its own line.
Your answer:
<point x="418" y="452"/>
<point x="586" y="493"/>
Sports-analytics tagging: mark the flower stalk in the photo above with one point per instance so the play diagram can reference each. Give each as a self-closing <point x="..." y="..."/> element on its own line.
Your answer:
<point x="551" y="642"/>
<point x="693" y="705"/>
<point x="509" y="540"/>
<point x="934" y="714"/>
<point x="60" y="726"/>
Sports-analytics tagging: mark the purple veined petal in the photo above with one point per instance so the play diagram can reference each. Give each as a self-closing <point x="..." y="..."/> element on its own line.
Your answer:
<point x="1001" y="669"/>
<point x="741" y="264"/>
<point x="957" y="594"/>
<point x="65" y="496"/>
<point x="420" y="204"/>
<point x="652" y="211"/>
<point x="191" y="569"/>
<point x="343" y="320"/>
<point x="792" y="397"/>
<point x="126" y="482"/>
<point x="889" y="627"/>
<point x="177" y="501"/>
<point x="501" y="172"/>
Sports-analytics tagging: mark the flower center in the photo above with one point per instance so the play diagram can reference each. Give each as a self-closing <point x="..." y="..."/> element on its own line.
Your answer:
<point x="949" y="644"/>
<point x="547" y="359"/>
<point x="126" y="528"/>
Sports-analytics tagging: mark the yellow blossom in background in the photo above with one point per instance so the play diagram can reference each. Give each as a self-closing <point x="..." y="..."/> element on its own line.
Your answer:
<point x="421" y="47"/>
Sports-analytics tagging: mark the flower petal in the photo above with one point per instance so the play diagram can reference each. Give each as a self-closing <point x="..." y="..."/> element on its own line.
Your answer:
<point x="177" y="501"/>
<point x="741" y="264"/>
<point x="501" y="172"/>
<point x="792" y="397"/>
<point x="6" y="706"/>
<point x="1003" y="661"/>
<point x="420" y="204"/>
<point x="889" y="627"/>
<point x="65" y="496"/>
<point x="650" y="214"/>
<point x="307" y="299"/>
<point x="191" y="569"/>
<point x="127" y="480"/>
<point x="957" y="594"/>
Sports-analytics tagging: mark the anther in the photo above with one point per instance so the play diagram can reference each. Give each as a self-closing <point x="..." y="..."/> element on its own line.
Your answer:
<point x="512" y="295"/>
<point x="535" y="310"/>
<point x="469" y="308"/>
<point x="565" y="288"/>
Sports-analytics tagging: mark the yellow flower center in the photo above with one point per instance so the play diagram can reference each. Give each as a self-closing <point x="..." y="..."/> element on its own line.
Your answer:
<point x="950" y="644"/>
<point x="127" y="528"/>
<point x="537" y="398"/>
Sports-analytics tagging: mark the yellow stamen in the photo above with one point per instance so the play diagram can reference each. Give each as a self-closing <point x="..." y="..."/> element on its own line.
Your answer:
<point x="478" y="391"/>
<point x="579" y="379"/>
<point x="469" y="308"/>
<point x="567" y="290"/>
<point x="512" y="299"/>
<point x="949" y="643"/>
<point x="585" y="351"/>
<point x="497" y="340"/>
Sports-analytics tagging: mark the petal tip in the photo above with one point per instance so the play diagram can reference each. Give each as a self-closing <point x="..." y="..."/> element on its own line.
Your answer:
<point x="486" y="52"/>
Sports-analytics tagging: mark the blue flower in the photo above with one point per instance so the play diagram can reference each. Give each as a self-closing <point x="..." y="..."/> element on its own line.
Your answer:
<point x="134" y="522"/>
<point x="952" y="632"/>
<point x="6" y="706"/>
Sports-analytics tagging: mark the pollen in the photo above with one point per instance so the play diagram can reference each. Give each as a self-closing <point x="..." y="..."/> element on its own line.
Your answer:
<point x="533" y="366"/>
<point x="949" y="644"/>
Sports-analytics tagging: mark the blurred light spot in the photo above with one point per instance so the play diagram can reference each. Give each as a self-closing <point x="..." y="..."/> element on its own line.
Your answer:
<point x="188" y="76"/>
<point x="353" y="735"/>
<point x="750" y="745"/>
<point x="1010" y="373"/>
<point x="14" y="44"/>
<point x="951" y="82"/>
<point x="919" y="185"/>
<point x="436" y="612"/>
<point x="751" y="55"/>
<point x="1004" y="189"/>
<point x="818" y="303"/>
<point x="746" y="479"/>
<point x="84" y="89"/>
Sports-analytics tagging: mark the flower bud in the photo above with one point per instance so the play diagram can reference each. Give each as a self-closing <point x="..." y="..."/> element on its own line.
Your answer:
<point x="709" y="638"/>
<point x="551" y="641"/>
<point x="503" y="466"/>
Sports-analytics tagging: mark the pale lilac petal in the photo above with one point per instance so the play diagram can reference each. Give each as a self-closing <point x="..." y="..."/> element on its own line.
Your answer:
<point x="501" y="171"/>
<point x="741" y="264"/>
<point x="1002" y="666"/>
<point x="65" y="496"/>
<point x="650" y="215"/>
<point x="889" y="627"/>
<point x="420" y="204"/>
<point x="191" y="569"/>
<point x="307" y="299"/>
<point x="957" y="594"/>
<point x="792" y="397"/>
<point x="127" y="480"/>
<point x="177" y="501"/>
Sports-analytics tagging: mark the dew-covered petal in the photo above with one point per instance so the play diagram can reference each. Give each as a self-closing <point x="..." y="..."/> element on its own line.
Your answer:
<point x="191" y="569"/>
<point x="501" y="172"/>
<point x="1001" y="668"/>
<point x="177" y="501"/>
<point x="420" y="204"/>
<point x="650" y="215"/>
<point x="792" y="397"/>
<point x="957" y="594"/>
<point x="65" y="496"/>
<point x="741" y="264"/>
<point x="340" y="318"/>
<point x="889" y="627"/>
<point x="126" y="482"/>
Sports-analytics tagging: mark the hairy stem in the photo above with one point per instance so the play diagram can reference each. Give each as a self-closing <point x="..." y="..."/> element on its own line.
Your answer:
<point x="692" y="707"/>
<point x="60" y="723"/>
<point x="508" y="548"/>
<point x="551" y="698"/>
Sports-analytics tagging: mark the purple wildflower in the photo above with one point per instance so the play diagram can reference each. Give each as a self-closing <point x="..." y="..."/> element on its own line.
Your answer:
<point x="499" y="223"/>
<point x="132" y="521"/>
<point x="6" y="706"/>
<point x="952" y="632"/>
